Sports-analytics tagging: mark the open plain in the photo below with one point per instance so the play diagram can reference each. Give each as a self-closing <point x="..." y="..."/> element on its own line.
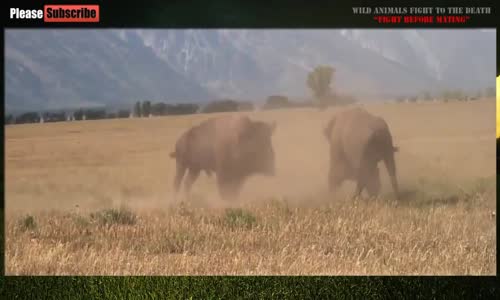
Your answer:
<point x="95" y="197"/>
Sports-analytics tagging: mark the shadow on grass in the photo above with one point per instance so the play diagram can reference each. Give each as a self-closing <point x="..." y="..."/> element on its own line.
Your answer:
<point x="431" y="194"/>
<point x="417" y="198"/>
<point x="110" y="217"/>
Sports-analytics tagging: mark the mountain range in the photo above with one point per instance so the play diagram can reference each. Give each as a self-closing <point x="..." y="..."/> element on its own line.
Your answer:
<point x="70" y="68"/>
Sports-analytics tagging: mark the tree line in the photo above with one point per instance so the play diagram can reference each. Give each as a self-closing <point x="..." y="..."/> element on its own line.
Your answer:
<point x="320" y="81"/>
<point x="140" y="109"/>
<point x="449" y="95"/>
<point x="61" y="116"/>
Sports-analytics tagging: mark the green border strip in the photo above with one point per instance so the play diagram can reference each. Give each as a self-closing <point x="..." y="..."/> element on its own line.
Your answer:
<point x="243" y="287"/>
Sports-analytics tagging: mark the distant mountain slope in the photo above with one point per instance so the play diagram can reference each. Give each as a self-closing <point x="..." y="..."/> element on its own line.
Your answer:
<point x="71" y="68"/>
<point x="259" y="62"/>
<point x="54" y="68"/>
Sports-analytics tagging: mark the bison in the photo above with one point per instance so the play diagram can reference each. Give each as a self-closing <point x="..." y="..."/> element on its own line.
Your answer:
<point x="232" y="147"/>
<point x="358" y="140"/>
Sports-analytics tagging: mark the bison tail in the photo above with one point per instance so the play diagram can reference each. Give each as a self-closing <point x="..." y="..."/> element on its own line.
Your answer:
<point x="395" y="149"/>
<point x="172" y="154"/>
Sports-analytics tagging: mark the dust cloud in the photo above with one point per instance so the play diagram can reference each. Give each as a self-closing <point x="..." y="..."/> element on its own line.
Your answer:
<point x="91" y="165"/>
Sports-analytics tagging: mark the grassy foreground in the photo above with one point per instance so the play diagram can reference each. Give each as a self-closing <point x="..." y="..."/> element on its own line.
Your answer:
<point x="428" y="236"/>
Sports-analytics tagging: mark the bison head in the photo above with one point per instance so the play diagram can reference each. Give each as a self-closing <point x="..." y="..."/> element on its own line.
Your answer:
<point x="257" y="147"/>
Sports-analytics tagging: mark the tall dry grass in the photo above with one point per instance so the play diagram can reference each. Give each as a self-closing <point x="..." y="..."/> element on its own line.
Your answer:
<point x="95" y="198"/>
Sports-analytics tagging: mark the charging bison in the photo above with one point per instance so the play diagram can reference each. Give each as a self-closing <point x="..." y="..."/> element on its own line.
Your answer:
<point x="358" y="141"/>
<point x="233" y="147"/>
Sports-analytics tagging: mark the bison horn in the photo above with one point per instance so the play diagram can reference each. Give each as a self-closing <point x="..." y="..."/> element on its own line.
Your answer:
<point x="172" y="154"/>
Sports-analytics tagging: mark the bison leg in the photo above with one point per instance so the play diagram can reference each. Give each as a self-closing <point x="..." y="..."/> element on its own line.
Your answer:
<point x="391" y="169"/>
<point x="363" y="177"/>
<point x="373" y="183"/>
<point x="359" y="189"/>
<point x="339" y="170"/>
<point x="191" y="178"/>
<point x="334" y="180"/>
<point x="181" y="169"/>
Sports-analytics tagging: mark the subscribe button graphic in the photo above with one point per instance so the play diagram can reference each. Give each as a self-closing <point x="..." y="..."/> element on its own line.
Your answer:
<point x="59" y="13"/>
<point x="71" y="13"/>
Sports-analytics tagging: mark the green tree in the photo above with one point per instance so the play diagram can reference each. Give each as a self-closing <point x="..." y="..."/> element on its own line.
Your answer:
<point x="277" y="101"/>
<point x="458" y="95"/>
<point x="490" y="92"/>
<point x="245" y="106"/>
<point x="223" y="105"/>
<point x="446" y="95"/>
<point x="426" y="96"/>
<point x="137" y="109"/>
<point x="78" y="115"/>
<point x="146" y="108"/>
<point x="8" y="119"/>
<point x="159" y="109"/>
<point x="123" y="113"/>
<point x="319" y="81"/>
<point x="478" y="94"/>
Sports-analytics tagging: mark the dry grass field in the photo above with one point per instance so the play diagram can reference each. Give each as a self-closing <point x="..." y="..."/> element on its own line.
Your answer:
<point x="95" y="197"/>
